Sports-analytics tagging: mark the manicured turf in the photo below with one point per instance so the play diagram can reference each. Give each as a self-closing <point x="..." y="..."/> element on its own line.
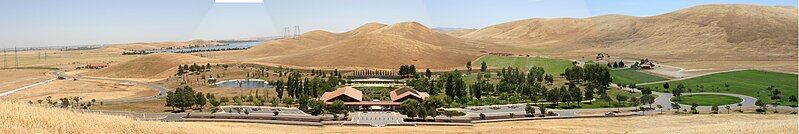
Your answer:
<point x="707" y="99"/>
<point x="612" y="93"/>
<point x="748" y="82"/>
<point x="551" y="66"/>
<point x="630" y="76"/>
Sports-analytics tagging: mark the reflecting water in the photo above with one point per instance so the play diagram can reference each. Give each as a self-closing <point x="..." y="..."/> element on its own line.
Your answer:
<point x="251" y="83"/>
<point x="238" y="45"/>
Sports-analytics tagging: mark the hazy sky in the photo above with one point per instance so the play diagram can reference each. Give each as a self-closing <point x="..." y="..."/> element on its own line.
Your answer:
<point x="27" y="23"/>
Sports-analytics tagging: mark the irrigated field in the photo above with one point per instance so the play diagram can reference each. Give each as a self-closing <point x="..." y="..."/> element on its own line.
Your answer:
<point x="551" y="66"/>
<point x="630" y="76"/>
<point x="707" y="99"/>
<point x="748" y="82"/>
<point x="22" y="118"/>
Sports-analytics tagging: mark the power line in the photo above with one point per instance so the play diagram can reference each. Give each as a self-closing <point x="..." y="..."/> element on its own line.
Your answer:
<point x="16" y="58"/>
<point x="297" y="32"/>
<point x="5" y="58"/>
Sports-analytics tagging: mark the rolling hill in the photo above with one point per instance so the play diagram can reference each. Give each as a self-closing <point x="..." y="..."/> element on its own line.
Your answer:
<point x="151" y="66"/>
<point x="706" y="32"/>
<point x="372" y="45"/>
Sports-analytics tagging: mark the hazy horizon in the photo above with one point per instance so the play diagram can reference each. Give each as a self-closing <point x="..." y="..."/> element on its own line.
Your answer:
<point x="86" y="22"/>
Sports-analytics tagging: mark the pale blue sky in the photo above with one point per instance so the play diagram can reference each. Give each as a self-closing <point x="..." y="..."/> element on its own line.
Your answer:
<point x="28" y="23"/>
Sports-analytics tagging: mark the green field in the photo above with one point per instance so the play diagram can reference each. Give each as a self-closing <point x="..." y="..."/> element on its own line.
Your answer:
<point x="630" y="76"/>
<point x="748" y="82"/>
<point x="612" y="93"/>
<point x="707" y="99"/>
<point x="551" y="66"/>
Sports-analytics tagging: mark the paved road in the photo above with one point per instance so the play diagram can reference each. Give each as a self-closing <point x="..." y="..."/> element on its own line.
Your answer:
<point x="689" y="77"/>
<point x="25" y="87"/>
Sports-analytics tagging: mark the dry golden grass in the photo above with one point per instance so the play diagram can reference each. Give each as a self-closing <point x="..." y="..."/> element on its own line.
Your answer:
<point x="23" y="118"/>
<point x="83" y="88"/>
<point x="458" y="33"/>
<point x="707" y="32"/>
<point x="66" y="60"/>
<point x="15" y="78"/>
<point x="152" y="66"/>
<point x="152" y="106"/>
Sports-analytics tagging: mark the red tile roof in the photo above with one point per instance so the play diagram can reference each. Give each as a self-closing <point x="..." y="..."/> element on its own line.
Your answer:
<point x="406" y="91"/>
<point x="370" y="103"/>
<point x="346" y="91"/>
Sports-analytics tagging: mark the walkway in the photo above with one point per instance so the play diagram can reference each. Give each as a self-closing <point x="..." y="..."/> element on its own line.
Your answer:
<point x="378" y="119"/>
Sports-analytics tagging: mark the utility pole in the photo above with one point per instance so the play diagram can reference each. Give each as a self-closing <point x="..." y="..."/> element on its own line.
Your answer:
<point x="16" y="58"/>
<point x="5" y="58"/>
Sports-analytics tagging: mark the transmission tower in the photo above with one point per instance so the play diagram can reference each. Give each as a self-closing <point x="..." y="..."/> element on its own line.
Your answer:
<point x="16" y="58"/>
<point x="297" y="32"/>
<point x="286" y="32"/>
<point x="5" y="58"/>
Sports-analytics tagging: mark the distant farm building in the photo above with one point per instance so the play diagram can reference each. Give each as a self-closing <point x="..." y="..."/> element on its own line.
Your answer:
<point x="646" y="65"/>
<point x="94" y="66"/>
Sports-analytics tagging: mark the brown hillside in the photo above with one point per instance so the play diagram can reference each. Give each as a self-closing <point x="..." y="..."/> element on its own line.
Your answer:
<point x="458" y="33"/>
<point x="708" y="32"/>
<point x="152" y="66"/>
<point x="307" y="40"/>
<point x="372" y="45"/>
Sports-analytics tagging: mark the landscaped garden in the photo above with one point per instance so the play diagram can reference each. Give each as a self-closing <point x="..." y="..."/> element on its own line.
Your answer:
<point x="631" y="76"/>
<point x="770" y="87"/>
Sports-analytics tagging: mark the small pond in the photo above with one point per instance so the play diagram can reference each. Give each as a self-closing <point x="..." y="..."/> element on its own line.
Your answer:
<point x="244" y="83"/>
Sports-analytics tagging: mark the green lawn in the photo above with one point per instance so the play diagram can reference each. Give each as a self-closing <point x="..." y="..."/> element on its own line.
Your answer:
<point x="375" y="93"/>
<point x="630" y="76"/>
<point x="747" y="82"/>
<point x="612" y="93"/>
<point x="551" y="66"/>
<point x="707" y="99"/>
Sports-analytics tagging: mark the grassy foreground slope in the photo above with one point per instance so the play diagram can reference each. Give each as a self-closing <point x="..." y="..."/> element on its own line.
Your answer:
<point x="551" y="66"/>
<point x="22" y="118"/>
<point x="630" y="76"/>
<point x="747" y="82"/>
